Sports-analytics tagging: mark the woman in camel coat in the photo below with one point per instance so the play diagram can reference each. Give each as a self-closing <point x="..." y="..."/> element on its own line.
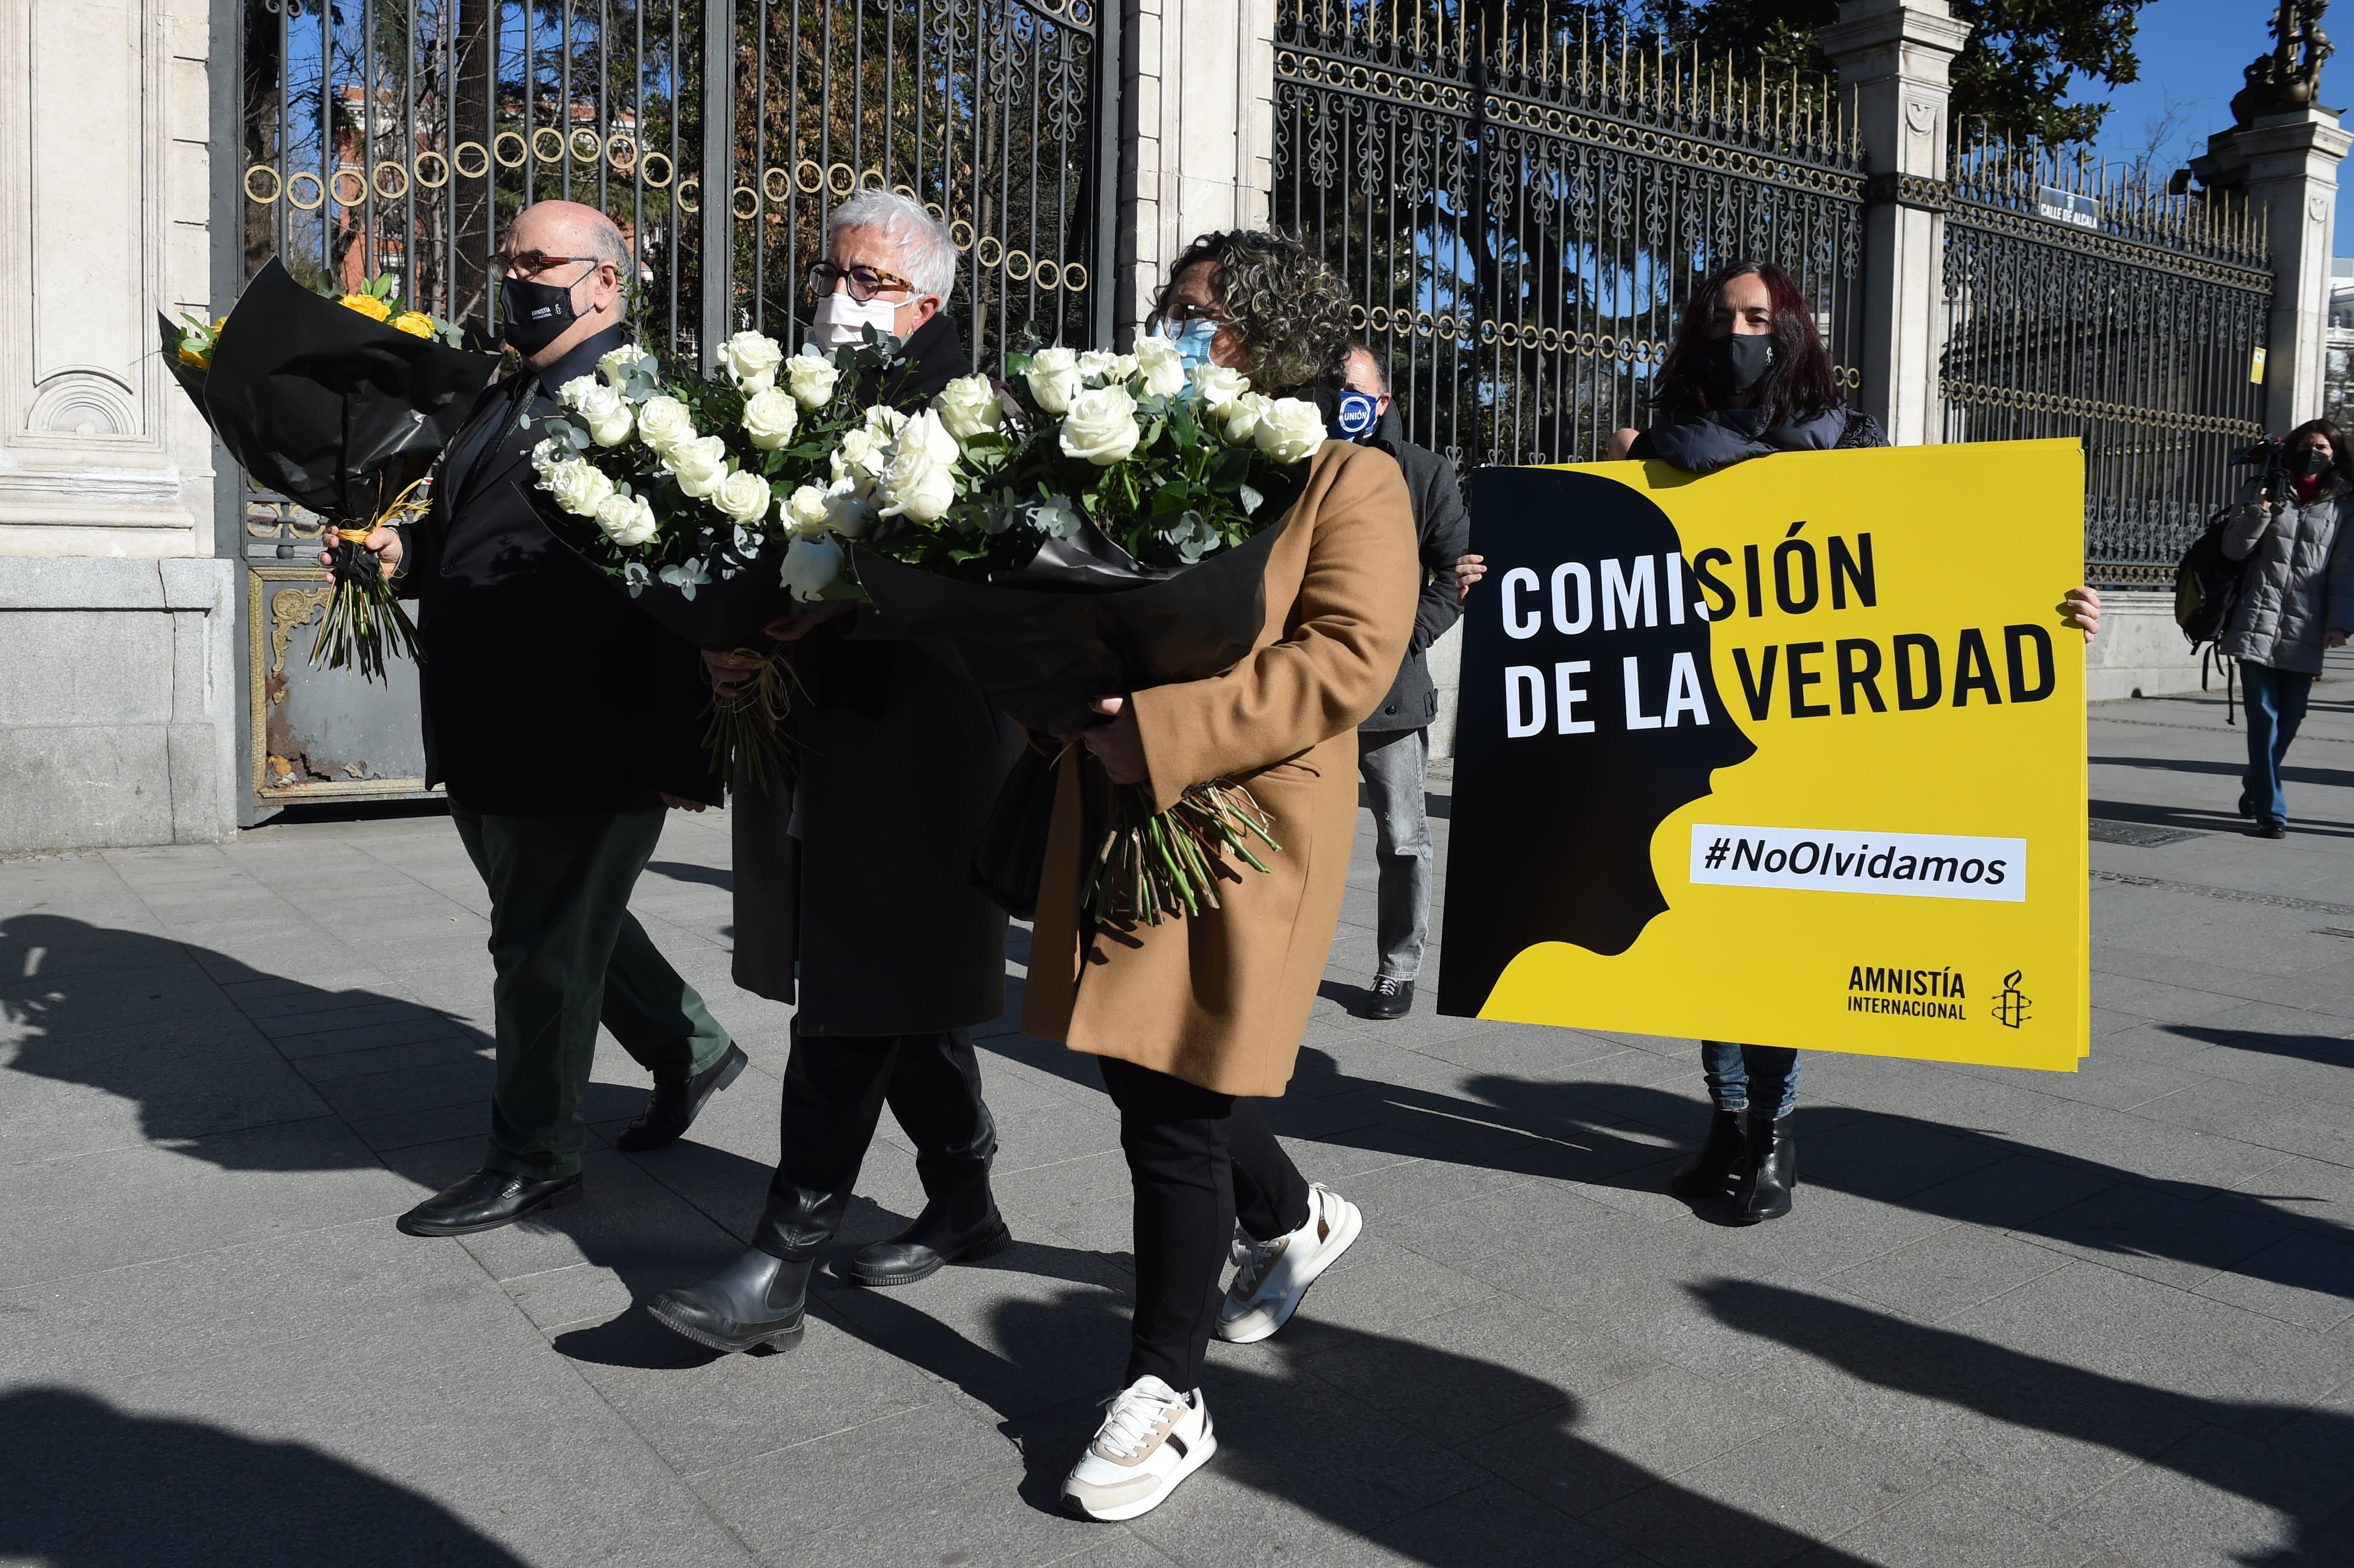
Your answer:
<point x="1185" y="1016"/>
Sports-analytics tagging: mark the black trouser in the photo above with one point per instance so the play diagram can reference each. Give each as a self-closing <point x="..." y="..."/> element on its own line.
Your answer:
<point x="1200" y="1161"/>
<point x="835" y="1089"/>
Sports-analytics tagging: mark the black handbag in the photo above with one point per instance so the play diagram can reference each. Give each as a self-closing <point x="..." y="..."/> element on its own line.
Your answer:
<point x="1011" y="852"/>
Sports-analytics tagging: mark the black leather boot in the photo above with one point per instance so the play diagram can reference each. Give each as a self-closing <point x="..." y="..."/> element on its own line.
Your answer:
<point x="1769" y="1169"/>
<point x="485" y="1201"/>
<point x="1708" y="1174"/>
<point x="756" y="1300"/>
<point x="935" y="1240"/>
<point x="675" y="1103"/>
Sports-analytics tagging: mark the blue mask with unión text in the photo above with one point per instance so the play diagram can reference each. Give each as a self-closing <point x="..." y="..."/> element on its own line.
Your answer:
<point x="1359" y="411"/>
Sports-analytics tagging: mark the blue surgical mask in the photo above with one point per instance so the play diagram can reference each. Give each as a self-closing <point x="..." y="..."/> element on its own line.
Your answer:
<point x="1192" y="339"/>
<point x="1359" y="412"/>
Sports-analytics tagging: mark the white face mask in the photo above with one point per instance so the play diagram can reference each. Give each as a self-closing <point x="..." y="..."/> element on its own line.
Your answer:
<point x="838" y="319"/>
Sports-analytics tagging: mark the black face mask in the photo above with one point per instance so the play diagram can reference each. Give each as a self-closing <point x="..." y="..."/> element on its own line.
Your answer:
<point x="2316" y="463"/>
<point x="535" y="314"/>
<point x="1736" y="363"/>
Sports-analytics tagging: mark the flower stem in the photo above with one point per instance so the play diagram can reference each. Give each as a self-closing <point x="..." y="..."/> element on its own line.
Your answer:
<point x="1152" y="865"/>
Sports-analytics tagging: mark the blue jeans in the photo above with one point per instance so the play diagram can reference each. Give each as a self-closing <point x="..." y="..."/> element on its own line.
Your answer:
<point x="2276" y="700"/>
<point x="1731" y="1070"/>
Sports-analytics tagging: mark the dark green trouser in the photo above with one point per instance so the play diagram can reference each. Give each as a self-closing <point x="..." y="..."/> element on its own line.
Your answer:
<point x="568" y="954"/>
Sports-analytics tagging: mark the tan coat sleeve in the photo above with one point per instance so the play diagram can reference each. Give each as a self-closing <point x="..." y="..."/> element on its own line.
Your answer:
<point x="1345" y="635"/>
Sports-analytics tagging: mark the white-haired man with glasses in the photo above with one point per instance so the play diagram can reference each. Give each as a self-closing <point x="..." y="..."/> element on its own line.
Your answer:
<point x="854" y="897"/>
<point x="558" y="774"/>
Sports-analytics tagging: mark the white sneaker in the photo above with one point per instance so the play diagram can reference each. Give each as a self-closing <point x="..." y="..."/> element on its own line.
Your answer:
<point x="1271" y="1277"/>
<point x="1152" y="1439"/>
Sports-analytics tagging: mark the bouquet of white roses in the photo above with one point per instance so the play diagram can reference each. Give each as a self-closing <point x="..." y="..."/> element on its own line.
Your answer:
<point x="1099" y="525"/>
<point x="685" y="482"/>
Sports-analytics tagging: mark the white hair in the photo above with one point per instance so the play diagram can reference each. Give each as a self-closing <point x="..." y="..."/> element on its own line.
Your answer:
<point x="928" y="254"/>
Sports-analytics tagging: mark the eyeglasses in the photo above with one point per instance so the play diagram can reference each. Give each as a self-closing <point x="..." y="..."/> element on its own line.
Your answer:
<point x="865" y="282"/>
<point x="532" y="263"/>
<point x="1179" y="315"/>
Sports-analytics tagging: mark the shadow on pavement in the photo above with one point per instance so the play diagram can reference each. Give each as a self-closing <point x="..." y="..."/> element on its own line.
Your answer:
<point x="89" y="1486"/>
<point x="721" y="877"/>
<point x="2328" y="777"/>
<point x="2305" y="1472"/>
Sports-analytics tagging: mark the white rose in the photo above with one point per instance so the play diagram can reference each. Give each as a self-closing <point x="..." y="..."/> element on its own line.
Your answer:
<point x="1053" y="378"/>
<point x="1160" y="368"/>
<point x="1217" y="386"/>
<point x="920" y="481"/>
<point x="579" y="387"/>
<point x="616" y="366"/>
<point x="811" y="563"/>
<point x="859" y="460"/>
<point x="547" y="455"/>
<point x="606" y="412"/>
<point x="771" y="419"/>
<point x="1101" y="426"/>
<point x="627" y="520"/>
<point x="664" y="423"/>
<point x="1097" y="367"/>
<point x="805" y="510"/>
<point x="847" y="511"/>
<point x="700" y="465"/>
<point x="752" y="359"/>
<point x="1242" y="417"/>
<point x="579" y="487"/>
<point x="883" y="421"/>
<point x="744" y="497"/>
<point x="1289" y="430"/>
<point x="811" y="379"/>
<point x="968" y="407"/>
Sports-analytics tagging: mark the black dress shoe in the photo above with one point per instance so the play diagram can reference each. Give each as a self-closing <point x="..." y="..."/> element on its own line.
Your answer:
<point x="487" y="1200"/>
<point x="756" y="1300"/>
<point x="1769" y="1169"/>
<point x="676" y="1103"/>
<point x="1389" y="998"/>
<point x="1709" y="1174"/>
<point x="2247" y="802"/>
<point x="931" y="1242"/>
<point x="2272" y="830"/>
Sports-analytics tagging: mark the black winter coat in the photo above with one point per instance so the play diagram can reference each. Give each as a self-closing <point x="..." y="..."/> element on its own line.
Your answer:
<point x="547" y="692"/>
<point x="871" y="895"/>
<point x="1443" y="530"/>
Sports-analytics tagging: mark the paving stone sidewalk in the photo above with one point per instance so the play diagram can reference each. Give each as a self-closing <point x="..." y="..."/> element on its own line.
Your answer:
<point x="2016" y="1319"/>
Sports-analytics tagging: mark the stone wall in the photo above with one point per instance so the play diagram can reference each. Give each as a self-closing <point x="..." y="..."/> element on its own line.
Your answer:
<point x="117" y="697"/>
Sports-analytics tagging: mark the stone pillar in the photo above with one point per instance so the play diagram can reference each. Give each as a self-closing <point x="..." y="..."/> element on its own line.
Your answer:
<point x="118" y="692"/>
<point x="2286" y="165"/>
<point x="1197" y="108"/>
<point x="1894" y="58"/>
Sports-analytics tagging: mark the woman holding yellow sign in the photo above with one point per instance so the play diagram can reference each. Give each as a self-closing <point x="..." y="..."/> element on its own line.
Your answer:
<point x="1748" y="377"/>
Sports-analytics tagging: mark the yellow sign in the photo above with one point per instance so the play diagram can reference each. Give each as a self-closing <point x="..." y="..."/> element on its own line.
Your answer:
<point x="1789" y="755"/>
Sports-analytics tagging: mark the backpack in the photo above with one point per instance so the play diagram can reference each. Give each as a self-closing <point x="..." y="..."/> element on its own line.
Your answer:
<point x="2207" y="585"/>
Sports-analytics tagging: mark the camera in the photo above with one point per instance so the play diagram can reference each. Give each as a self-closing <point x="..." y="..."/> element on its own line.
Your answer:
<point x="2273" y="453"/>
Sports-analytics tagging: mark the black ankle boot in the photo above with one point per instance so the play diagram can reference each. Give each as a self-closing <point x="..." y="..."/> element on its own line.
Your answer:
<point x="1709" y="1173"/>
<point x="935" y="1240"/>
<point x="756" y="1300"/>
<point x="1769" y="1169"/>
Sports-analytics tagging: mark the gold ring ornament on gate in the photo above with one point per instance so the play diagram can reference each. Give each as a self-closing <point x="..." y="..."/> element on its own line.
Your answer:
<point x="482" y="160"/>
<point x="1549" y="339"/>
<point x="990" y="251"/>
<point x="777" y="184"/>
<point x="318" y="191"/>
<point x="499" y="150"/>
<point x="965" y="243"/>
<point x="621" y="152"/>
<point x="906" y="191"/>
<point x="809" y="176"/>
<point x="1449" y="327"/>
<point x="874" y="180"/>
<point x="441" y="168"/>
<point x="586" y="145"/>
<point x="940" y="213"/>
<point x="840" y="179"/>
<point x="736" y="199"/>
<point x="1488" y="333"/>
<point x="354" y="173"/>
<point x="685" y="205"/>
<point x="1358" y="316"/>
<point x="1024" y="272"/>
<point x="277" y="185"/>
<point x="646" y="162"/>
<point x="398" y="171"/>
<point x="1422" y="323"/>
<point x="1041" y="272"/>
<point x="1074" y="277"/>
<point x="539" y="144"/>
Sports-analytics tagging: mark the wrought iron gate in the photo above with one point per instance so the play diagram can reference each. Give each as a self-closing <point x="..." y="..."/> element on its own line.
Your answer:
<point x="400" y="137"/>
<point x="2120" y="314"/>
<point x="1523" y="211"/>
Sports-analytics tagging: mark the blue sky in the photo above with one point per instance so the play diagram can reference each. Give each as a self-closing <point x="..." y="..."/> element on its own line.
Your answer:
<point x="2192" y="52"/>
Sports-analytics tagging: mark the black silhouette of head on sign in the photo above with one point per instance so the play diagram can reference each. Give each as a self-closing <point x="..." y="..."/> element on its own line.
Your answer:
<point x="1589" y="714"/>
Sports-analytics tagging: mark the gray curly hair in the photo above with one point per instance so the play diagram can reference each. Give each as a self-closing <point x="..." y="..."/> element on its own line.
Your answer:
<point x="1290" y="310"/>
<point x="923" y="240"/>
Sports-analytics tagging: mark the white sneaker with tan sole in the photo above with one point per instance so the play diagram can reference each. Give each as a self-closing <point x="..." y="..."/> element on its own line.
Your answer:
<point x="1152" y="1439"/>
<point x="1272" y="1276"/>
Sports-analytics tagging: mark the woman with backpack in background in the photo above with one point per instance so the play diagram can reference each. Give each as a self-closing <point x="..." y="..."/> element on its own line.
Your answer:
<point x="2296" y="599"/>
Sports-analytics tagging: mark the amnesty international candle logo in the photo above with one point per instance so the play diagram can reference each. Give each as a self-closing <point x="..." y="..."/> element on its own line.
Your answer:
<point x="1718" y="738"/>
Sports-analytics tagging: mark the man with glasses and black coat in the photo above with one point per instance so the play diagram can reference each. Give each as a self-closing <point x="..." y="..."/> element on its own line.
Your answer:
<point x="563" y="722"/>
<point x="854" y="895"/>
